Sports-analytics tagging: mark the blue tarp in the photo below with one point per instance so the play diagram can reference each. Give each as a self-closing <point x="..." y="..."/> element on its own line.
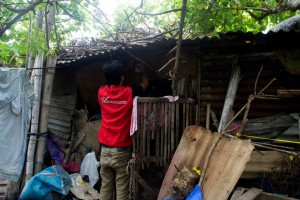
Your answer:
<point x="53" y="178"/>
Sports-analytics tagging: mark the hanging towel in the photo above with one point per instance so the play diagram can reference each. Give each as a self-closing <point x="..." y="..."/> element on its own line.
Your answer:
<point x="16" y="98"/>
<point x="133" y="123"/>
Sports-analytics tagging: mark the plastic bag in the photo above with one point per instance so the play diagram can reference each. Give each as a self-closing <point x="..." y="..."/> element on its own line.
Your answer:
<point x="196" y="194"/>
<point x="89" y="167"/>
<point x="53" y="178"/>
<point x="76" y="179"/>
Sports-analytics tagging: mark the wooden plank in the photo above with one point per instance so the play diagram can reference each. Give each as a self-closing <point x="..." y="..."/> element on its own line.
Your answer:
<point x="198" y="113"/>
<point x="228" y="154"/>
<point x="187" y="117"/>
<point x="183" y="115"/>
<point x="237" y="193"/>
<point x="159" y="100"/>
<point x="150" y="119"/>
<point x="165" y="134"/>
<point x="177" y="125"/>
<point x="144" y="124"/>
<point x="157" y="141"/>
<point x="250" y="194"/>
<point x="230" y="96"/>
<point x="172" y="124"/>
<point x="153" y="125"/>
<point x="162" y="137"/>
<point x="286" y="93"/>
<point x="169" y="130"/>
<point x="207" y="116"/>
<point x="267" y="196"/>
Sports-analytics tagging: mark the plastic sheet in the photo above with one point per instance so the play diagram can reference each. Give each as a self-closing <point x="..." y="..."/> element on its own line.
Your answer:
<point x="89" y="167"/>
<point x="53" y="178"/>
<point x="196" y="194"/>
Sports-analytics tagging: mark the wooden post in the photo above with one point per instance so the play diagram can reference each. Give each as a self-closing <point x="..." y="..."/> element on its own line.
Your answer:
<point x="230" y="96"/>
<point x="180" y="34"/>
<point x="47" y="93"/>
<point x="207" y="116"/>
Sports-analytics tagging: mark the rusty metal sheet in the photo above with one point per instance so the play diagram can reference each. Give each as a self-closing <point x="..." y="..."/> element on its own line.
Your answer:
<point x="226" y="165"/>
<point x="263" y="162"/>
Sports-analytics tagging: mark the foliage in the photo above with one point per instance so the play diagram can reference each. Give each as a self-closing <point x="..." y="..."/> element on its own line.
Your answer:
<point x="132" y="19"/>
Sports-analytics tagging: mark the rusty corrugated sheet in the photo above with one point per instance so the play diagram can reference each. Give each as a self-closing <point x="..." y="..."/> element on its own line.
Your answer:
<point x="61" y="111"/>
<point x="226" y="43"/>
<point x="263" y="162"/>
<point x="225" y="167"/>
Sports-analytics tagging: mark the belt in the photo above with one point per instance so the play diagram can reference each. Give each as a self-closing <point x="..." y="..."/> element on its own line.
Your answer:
<point x="117" y="149"/>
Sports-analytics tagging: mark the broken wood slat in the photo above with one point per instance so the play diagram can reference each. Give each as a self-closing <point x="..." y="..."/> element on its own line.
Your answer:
<point x="143" y="134"/>
<point x="159" y="100"/>
<point x="172" y="124"/>
<point x="157" y="137"/>
<point x="287" y="93"/>
<point x="162" y="141"/>
<point x="154" y="122"/>
<point x="250" y="194"/>
<point x="226" y="164"/>
<point x="165" y="134"/>
<point x="150" y="121"/>
<point x="237" y="193"/>
<point x="177" y="124"/>
<point x="207" y="116"/>
<point x="187" y="116"/>
<point x="169" y="114"/>
<point x="264" y="195"/>
<point x="183" y="114"/>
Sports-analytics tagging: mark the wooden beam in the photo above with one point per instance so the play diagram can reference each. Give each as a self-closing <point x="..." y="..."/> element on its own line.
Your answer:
<point x="288" y="93"/>
<point x="230" y="96"/>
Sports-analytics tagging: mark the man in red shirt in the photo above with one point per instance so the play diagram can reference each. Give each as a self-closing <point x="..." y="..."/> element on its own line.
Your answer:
<point x="116" y="106"/>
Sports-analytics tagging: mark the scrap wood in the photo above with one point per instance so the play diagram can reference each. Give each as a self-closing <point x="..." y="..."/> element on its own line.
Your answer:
<point x="250" y="194"/>
<point x="237" y="193"/>
<point x="226" y="165"/>
<point x="261" y="196"/>
<point x="85" y="191"/>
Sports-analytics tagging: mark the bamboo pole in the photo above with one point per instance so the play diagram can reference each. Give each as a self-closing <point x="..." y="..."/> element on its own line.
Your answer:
<point x="31" y="59"/>
<point x="35" y="116"/>
<point x="46" y="101"/>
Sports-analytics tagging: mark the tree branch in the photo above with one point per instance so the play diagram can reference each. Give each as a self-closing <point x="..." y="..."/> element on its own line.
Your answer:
<point x="20" y="14"/>
<point x="162" y="13"/>
<point x="180" y="32"/>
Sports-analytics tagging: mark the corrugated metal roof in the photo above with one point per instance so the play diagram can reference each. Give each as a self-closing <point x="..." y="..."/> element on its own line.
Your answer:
<point x="225" y="43"/>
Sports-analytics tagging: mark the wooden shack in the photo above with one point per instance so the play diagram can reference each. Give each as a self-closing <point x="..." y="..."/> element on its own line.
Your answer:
<point x="204" y="73"/>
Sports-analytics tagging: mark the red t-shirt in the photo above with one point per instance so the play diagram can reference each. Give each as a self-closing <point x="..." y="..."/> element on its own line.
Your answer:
<point x="116" y="107"/>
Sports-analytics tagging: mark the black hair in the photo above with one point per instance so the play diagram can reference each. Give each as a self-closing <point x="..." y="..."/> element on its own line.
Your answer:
<point x="113" y="71"/>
